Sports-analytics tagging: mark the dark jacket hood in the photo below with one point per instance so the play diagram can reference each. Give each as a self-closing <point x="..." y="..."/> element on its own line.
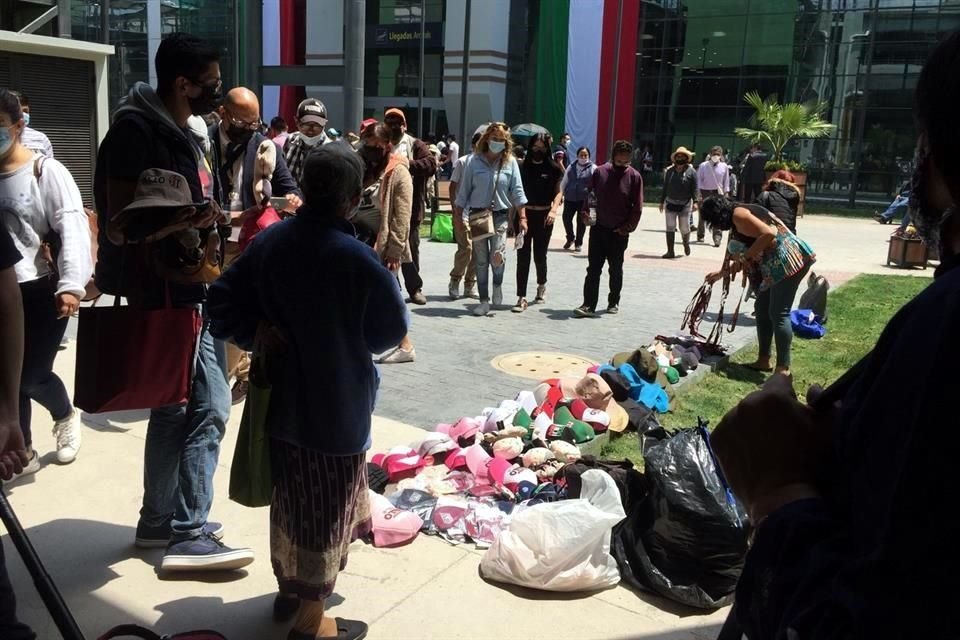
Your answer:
<point x="143" y="101"/>
<point x="787" y="190"/>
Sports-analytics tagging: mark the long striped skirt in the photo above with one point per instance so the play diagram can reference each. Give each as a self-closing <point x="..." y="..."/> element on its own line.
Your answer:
<point x="319" y="507"/>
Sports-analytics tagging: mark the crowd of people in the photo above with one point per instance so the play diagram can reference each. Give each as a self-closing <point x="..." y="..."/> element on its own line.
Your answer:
<point x="189" y="189"/>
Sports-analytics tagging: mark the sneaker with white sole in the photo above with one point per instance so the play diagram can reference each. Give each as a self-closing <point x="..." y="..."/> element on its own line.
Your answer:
<point x="32" y="467"/>
<point x="521" y="306"/>
<point x="613" y="309"/>
<point x="541" y="294"/>
<point x="68" y="436"/>
<point x="454" y="289"/>
<point x="204" y="553"/>
<point x="481" y="309"/>
<point x="158" y="537"/>
<point x="497" y="296"/>
<point x="470" y="290"/>
<point x="584" y="312"/>
<point x="399" y="356"/>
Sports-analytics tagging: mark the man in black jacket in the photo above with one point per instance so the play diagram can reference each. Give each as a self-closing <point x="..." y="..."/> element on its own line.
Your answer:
<point x="754" y="174"/>
<point x="182" y="441"/>
<point x="234" y="145"/>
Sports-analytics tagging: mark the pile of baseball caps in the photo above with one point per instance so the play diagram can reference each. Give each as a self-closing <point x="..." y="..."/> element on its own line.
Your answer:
<point x="466" y="479"/>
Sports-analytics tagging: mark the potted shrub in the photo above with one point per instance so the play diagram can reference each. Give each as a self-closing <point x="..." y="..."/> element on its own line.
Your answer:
<point x="775" y="125"/>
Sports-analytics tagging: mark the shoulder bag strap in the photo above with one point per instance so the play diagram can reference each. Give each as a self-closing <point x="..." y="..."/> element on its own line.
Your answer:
<point x="496" y="182"/>
<point x="130" y="630"/>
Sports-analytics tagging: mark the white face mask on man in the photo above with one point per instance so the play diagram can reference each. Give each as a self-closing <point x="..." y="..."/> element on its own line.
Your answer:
<point x="312" y="141"/>
<point x="715" y="159"/>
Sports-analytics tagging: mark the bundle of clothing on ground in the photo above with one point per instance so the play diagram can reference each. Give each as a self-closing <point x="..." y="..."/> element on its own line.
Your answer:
<point x="515" y="481"/>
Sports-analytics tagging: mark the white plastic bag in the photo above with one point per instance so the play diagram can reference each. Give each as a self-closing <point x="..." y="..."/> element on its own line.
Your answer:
<point x="561" y="546"/>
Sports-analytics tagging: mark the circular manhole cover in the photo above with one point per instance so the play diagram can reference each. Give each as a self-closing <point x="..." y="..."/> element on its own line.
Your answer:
<point x="542" y="365"/>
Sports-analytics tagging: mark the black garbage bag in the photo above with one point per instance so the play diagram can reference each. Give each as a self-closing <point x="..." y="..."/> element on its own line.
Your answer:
<point x="687" y="539"/>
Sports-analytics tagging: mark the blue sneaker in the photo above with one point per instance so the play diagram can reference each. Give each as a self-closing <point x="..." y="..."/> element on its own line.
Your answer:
<point x="204" y="553"/>
<point x="159" y="537"/>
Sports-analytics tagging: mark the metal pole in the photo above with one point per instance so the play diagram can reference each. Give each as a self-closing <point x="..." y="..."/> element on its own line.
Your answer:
<point x="616" y="72"/>
<point x="463" y="78"/>
<point x="423" y="36"/>
<point x="353" y="48"/>
<point x="105" y="21"/>
<point x="861" y="119"/>
<point x="696" y="121"/>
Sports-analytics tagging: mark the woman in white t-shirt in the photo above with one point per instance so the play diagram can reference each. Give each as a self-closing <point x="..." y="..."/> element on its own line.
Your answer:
<point x="40" y="203"/>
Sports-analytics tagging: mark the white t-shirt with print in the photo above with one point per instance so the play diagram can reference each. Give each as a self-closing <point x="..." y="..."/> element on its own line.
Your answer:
<point x="31" y="208"/>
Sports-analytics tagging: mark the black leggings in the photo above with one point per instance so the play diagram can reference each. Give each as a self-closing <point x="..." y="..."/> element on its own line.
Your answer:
<point x="537" y="239"/>
<point x="42" y="333"/>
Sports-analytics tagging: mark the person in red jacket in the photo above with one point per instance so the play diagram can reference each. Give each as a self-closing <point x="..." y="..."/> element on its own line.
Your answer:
<point x="618" y="190"/>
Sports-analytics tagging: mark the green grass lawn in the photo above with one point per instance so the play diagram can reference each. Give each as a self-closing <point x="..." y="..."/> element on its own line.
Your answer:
<point x="857" y="311"/>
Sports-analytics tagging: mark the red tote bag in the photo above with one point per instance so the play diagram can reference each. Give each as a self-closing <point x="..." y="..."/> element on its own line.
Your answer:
<point x="130" y="358"/>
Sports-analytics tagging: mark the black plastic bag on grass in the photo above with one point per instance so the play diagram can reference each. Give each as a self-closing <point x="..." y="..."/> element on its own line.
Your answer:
<point x="687" y="541"/>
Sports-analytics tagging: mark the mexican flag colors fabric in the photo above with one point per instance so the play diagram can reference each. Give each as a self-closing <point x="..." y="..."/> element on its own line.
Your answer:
<point x="583" y="70"/>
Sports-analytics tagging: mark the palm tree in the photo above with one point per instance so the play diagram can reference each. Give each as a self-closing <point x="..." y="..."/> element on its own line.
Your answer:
<point x="777" y="124"/>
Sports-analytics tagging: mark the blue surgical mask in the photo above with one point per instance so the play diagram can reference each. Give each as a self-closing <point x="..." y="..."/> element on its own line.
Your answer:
<point x="497" y="146"/>
<point x="26" y="119"/>
<point x="6" y="140"/>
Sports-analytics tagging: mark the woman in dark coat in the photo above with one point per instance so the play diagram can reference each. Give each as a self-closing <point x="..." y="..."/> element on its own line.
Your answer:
<point x="781" y="197"/>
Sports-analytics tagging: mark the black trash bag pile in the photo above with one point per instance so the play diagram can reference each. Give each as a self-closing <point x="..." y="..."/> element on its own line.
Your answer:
<point x="687" y="539"/>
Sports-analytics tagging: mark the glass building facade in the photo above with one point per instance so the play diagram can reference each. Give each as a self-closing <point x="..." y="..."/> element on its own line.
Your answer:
<point x="392" y="71"/>
<point x="861" y="58"/>
<point x="137" y="26"/>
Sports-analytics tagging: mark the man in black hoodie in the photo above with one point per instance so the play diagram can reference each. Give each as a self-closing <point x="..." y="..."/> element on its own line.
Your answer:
<point x="183" y="441"/>
<point x="754" y="173"/>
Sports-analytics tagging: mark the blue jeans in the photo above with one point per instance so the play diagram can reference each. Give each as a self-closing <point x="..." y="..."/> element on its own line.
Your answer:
<point x="773" y="317"/>
<point x="489" y="252"/>
<point x="899" y="204"/>
<point x="183" y="447"/>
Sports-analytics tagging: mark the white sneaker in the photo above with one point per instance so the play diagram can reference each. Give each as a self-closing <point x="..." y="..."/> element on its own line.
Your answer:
<point x="399" y="356"/>
<point x="454" y="289"/>
<point x="67" y="433"/>
<point x="497" y="296"/>
<point x="32" y="467"/>
<point x="481" y="309"/>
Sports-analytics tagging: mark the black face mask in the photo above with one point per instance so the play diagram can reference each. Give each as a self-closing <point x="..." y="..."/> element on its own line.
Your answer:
<point x="372" y="155"/>
<point x="209" y="100"/>
<point x="238" y="135"/>
<point x="538" y="155"/>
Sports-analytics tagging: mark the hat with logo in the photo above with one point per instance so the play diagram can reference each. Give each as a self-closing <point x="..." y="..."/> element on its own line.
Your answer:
<point x="392" y="526"/>
<point x="159" y="188"/>
<point x="312" y="110"/>
<point x="571" y="429"/>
